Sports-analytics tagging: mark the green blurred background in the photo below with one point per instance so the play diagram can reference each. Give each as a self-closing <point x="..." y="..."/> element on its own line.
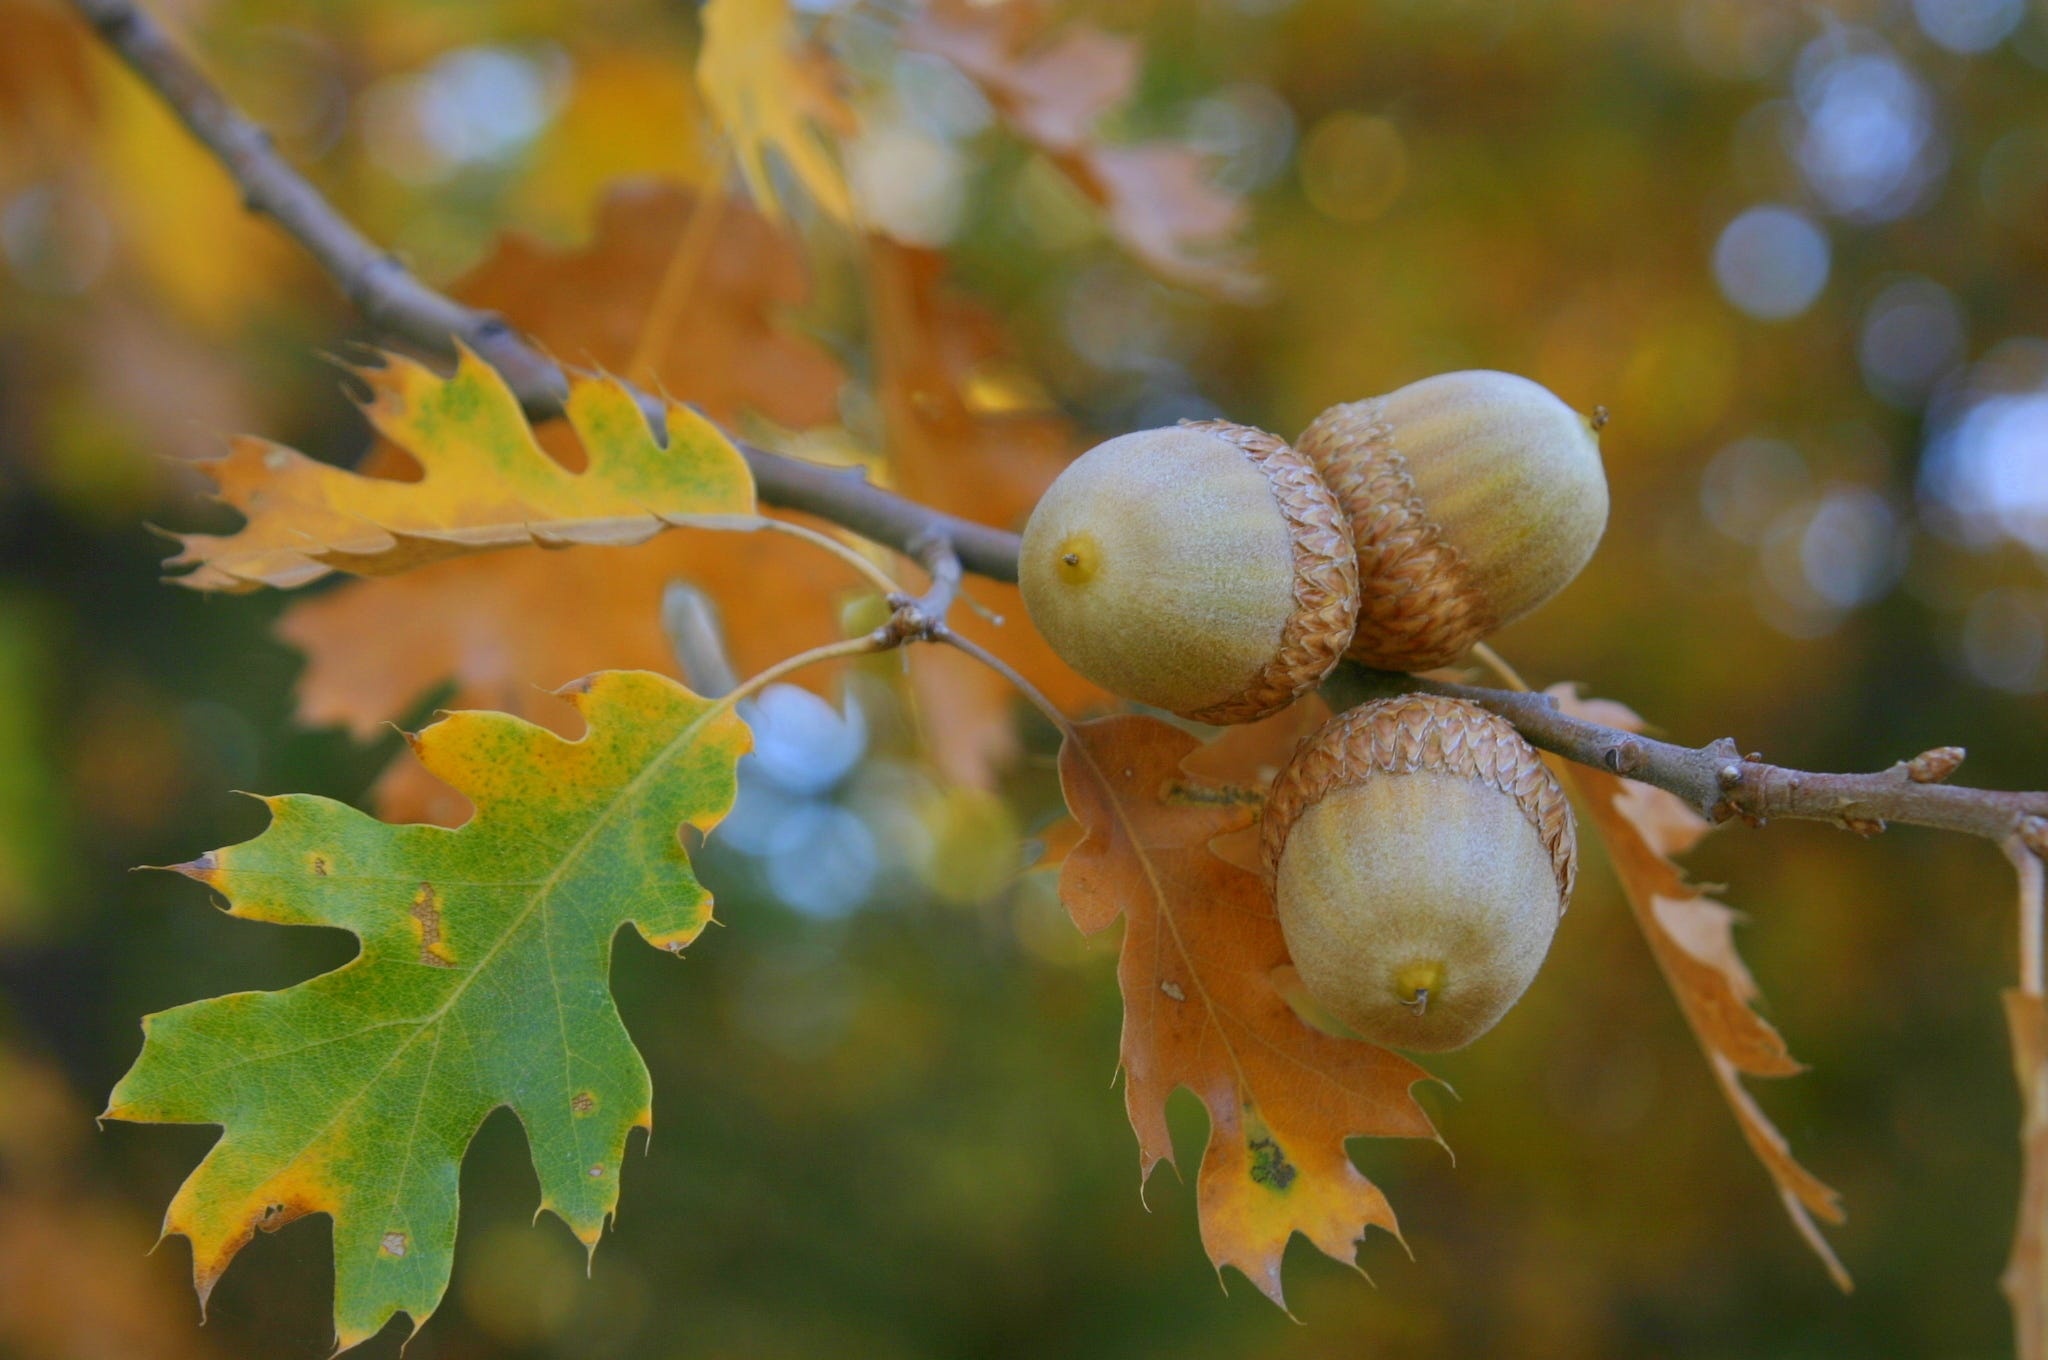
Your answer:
<point x="1799" y="251"/>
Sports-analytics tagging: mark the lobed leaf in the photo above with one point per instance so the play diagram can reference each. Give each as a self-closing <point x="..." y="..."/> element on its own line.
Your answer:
<point x="503" y="627"/>
<point x="2025" y="1280"/>
<point x="485" y="483"/>
<point x="1202" y="968"/>
<point x="1691" y="935"/>
<point x="482" y="982"/>
<point x="1052" y="88"/>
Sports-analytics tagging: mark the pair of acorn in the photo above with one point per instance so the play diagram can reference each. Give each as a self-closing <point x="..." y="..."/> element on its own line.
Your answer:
<point x="1421" y="854"/>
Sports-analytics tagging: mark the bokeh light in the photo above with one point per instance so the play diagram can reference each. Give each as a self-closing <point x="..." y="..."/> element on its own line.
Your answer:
<point x="1867" y="143"/>
<point x="1771" y="262"/>
<point x="1913" y="333"/>
<point x="1969" y="26"/>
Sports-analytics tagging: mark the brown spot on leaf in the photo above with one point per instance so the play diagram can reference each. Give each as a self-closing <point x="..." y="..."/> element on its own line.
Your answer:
<point x="583" y="1102"/>
<point x="426" y="914"/>
<point x="1185" y="793"/>
<point x="393" y="1244"/>
<point x="319" y="863"/>
<point x="1270" y="1166"/>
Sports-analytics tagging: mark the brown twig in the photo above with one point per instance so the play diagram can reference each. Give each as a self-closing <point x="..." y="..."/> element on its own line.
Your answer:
<point x="1717" y="779"/>
<point x="400" y="306"/>
<point x="1722" y="783"/>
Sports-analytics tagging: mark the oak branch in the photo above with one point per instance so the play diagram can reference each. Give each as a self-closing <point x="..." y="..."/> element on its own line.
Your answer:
<point x="1716" y="779"/>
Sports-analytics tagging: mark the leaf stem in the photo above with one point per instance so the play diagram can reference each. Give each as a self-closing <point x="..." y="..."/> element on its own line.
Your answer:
<point x="872" y="574"/>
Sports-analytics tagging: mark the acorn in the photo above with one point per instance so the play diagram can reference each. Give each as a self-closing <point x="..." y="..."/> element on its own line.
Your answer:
<point x="1472" y="499"/>
<point x="1204" y="569"/>
<point x="1421" y="855"/>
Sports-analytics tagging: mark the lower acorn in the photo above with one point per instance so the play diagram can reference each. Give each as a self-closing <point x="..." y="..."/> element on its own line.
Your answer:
<point x="1421" y="856"/>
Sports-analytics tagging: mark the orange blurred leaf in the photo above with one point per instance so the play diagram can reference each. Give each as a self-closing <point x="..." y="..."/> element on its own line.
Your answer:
<point x="2026" y="1272"/>
<point x="1692" y="938"/>
<point x="76" y="1274"/>
<point x="1202" y="967"/>
<point x="505" y="627"/>
<point x="1053" y="88"/>
<point x="968" y="436"/>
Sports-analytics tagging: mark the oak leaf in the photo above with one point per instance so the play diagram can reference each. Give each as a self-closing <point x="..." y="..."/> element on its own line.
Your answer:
<point x="1052" y="88"/>
<point x="1202" y="968"/>
<point x="1691" y="935"/>
<point x="503" y="626"/>
<point x="2025" y="1279"/>
<point x="486" y="483"/>
<point x="482" y="981"/>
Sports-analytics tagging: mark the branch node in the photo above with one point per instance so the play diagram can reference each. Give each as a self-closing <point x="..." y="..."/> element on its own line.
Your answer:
<point x="1730" y="776"/>
<point x="2033" y="833"/>
<point x="1624" y="757"/>
<point x="1866" y="827"/>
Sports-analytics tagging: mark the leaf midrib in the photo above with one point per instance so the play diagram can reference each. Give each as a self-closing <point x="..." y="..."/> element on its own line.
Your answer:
<point x="543" y="890"/>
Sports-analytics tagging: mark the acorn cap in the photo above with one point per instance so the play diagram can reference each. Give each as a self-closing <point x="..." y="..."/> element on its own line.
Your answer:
<point x="1472" y="498"/>
<point x="1417" y="733"/>
<point x="1204" y="568"/>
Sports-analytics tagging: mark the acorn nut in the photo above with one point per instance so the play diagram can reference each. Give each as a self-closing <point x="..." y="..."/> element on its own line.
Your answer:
<point x="1204" y="569"/>
<point x="1472" y="499"/>
<point x="1421" y="855"/>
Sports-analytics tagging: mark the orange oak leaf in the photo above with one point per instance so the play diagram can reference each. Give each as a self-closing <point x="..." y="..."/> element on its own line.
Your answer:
<point x="1202" y="966"/>
<point x="506" y="627"/>
<point x="2026" y="1271"/>
<point x="1052" y="88"/>
<point x="966" y="435"/>
<point x="1692" y="937"/>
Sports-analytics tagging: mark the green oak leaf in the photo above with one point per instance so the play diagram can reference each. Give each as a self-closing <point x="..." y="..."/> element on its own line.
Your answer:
<point x="483" y="981"/>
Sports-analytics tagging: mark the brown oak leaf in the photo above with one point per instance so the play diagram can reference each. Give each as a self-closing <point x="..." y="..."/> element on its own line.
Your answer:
<point x="1052" y="87"/>
<point x="1692" y="937"/>
<point x="1202" y="968"/>
<point x="965" y="438"/>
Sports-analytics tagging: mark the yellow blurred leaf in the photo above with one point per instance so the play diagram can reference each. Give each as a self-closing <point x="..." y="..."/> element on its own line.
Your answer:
<point x="486" y="483"/>
<point x="774" y="92"/>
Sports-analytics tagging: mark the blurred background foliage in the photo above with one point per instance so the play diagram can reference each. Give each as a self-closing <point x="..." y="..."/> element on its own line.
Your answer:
<point x="1800" y="251"/>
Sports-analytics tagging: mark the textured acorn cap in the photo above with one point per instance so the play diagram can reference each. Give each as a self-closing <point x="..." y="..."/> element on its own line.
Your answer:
<point x="1472" y="498"/>
<point x="1204" y="569"/>
<point x="1421" y="855"/>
